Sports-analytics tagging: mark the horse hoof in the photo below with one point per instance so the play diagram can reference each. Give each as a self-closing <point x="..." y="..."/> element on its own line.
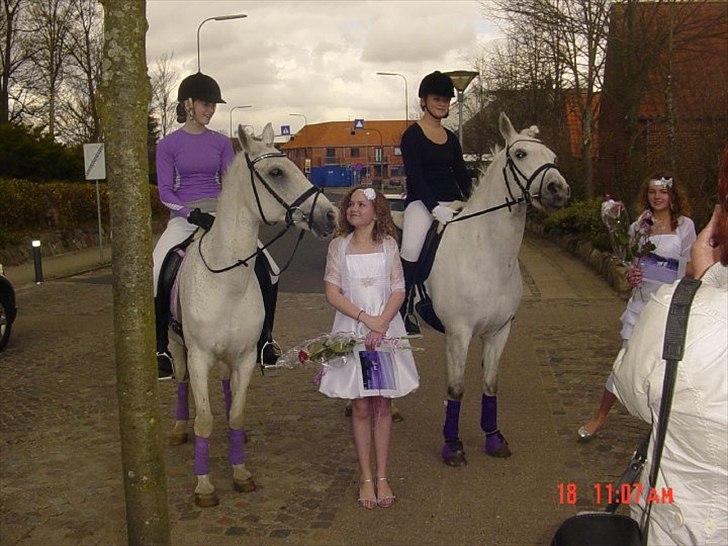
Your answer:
<point x="206" y="500"/>
<point x="496" y="445"/>
<point x="244" y="486"/>
<point x="453" y="454"/>
<point x="178" y="438"/>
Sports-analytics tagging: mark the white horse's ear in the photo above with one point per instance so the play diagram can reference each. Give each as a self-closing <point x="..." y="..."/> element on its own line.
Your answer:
<point x="243" y="138"/>
<point x="268" y="135"/>
<point x="506" y="127"/>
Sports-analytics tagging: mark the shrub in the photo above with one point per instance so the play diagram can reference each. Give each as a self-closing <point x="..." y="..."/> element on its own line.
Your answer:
<point x="581" y="217"/>
<point x="27" y="153"/>
<point x="56" y="205"/>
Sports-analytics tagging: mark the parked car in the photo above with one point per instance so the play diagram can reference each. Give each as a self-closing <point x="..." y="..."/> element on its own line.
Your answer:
<point x="7" y="308"/>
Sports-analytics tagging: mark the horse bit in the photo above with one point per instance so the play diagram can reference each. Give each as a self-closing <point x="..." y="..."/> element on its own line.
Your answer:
<point x="518" y="177"/>
<point x="294" y="214"/>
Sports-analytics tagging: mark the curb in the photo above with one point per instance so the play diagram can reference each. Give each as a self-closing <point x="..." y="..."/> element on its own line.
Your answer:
<point x="603" y="263"/>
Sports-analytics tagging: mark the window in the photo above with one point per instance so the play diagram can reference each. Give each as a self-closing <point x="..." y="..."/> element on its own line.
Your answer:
<point x="330" y="152"/>
<point x="355" y="152"/>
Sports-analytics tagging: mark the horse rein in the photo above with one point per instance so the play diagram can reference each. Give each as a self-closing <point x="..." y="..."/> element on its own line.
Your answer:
<point x="518" y="176"/>
<point x="292" y="211"/>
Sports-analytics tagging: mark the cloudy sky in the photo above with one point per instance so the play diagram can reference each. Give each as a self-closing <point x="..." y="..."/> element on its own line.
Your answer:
<point x="317" y="58"/>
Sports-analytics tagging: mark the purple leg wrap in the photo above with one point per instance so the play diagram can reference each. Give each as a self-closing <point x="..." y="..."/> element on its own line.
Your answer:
<point x="452" y="421"/>
<point x="182" y="412"/>
<point x="202" y="456"/>
<point x="228" y="394"/>
<point x="236" y="455"/>
<point x="489" y="413"/>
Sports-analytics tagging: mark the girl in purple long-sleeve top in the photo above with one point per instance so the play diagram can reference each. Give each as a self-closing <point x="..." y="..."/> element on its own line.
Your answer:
<point x="191" y="162"/>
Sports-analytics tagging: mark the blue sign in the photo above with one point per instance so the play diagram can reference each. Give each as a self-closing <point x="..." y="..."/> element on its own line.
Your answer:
<point x="358" y="124"/>
<point x="285" y="130"/>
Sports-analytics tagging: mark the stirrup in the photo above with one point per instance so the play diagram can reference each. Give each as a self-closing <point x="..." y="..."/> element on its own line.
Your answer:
<point x="412" y="325"/>
<point x="165" y="366"/>
<point x="269" y="355"/>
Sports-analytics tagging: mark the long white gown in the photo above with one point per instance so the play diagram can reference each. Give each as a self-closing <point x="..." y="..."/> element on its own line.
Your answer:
<point x="368" y="280"/>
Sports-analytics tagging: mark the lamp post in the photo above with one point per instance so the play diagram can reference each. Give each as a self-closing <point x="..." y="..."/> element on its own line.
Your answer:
<point x="231" y="115"/>
<point x="218" y="18"/>
<point x="460" y="80"/>
<point x="406" y="96"/>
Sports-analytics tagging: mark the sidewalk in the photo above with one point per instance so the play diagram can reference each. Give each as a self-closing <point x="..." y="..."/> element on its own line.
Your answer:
<point x="59" y="266"/>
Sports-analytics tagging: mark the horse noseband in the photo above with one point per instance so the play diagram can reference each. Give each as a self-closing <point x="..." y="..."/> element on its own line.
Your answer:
<point x="518" y="175"/>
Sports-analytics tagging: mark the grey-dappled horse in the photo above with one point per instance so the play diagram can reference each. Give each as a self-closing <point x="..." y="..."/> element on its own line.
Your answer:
<point x="219" y="297"/>
<point x="475" y="283"/>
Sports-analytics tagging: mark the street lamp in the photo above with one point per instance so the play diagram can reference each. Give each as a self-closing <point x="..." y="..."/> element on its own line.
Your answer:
<point x="406" y="96"/>
<point x="460" y="80"/>
<point x="305" y="121"/>
<point x="231" y="115"/>
<point x="218" y="18"/>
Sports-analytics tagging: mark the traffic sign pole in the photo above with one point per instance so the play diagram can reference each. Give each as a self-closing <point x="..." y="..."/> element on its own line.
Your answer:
<point x="95" y="168"/>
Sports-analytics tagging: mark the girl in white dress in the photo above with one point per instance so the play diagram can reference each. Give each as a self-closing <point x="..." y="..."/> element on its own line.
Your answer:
<point x="364" y="282"/>
<point x="672" y="233"/>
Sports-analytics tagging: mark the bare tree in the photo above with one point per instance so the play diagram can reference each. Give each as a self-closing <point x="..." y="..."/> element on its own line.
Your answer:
<point x="125" y="81"/>
<point x="13" y="57"/>
<point x="52" y="22"/>
<point x="163" y="104"/>
<point x="79" y="116"/>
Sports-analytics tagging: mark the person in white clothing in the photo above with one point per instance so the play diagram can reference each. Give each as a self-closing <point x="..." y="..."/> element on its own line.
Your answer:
<point x="694" y="464"/>
<point x="365" y="284"/>
<point x="672" y="233"/>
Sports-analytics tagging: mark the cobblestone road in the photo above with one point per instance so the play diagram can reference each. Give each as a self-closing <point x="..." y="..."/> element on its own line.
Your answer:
<point x="60" y="456"/>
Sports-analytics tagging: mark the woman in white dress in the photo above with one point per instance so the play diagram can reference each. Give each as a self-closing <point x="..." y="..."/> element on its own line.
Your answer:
<point x="672" y="233"/>
<point x="365" y="284"/>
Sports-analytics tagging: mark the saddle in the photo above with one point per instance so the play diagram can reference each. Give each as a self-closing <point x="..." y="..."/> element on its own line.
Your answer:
<point x="168" y="286"/>
<point x="423" y="269"/>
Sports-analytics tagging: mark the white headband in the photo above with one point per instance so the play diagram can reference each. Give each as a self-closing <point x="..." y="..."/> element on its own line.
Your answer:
<point x="369" y="193"/>
<point x="664" y="182"/>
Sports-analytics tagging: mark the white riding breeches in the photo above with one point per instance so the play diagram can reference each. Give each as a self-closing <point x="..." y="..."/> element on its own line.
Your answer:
<point x="178" y="229"/>
<point x="416" y="223"/>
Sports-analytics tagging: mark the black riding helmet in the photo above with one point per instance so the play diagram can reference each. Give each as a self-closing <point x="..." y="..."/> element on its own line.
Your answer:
<point x="436" y="83"/>
<point x="199" y="87"/>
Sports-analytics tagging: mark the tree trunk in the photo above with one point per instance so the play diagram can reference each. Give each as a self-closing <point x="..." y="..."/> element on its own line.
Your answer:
<point x="586" y="148"/>
<point x="125" y="97"/>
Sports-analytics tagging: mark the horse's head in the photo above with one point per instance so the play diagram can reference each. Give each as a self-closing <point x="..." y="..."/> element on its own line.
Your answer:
<point x="280" y="190"/>
<point x="530" y="166"/>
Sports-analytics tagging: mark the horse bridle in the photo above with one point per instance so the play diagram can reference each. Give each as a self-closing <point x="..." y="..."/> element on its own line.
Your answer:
<point x="294" y="214"/>
<point x="521" y="180"/>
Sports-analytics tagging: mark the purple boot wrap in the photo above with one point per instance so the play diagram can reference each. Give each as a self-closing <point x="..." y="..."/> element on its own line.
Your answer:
<point x="182" y="412"/>
<point x="236" y="454"/>
<point x="495" y="443"/>
<point x="202" y="456"/>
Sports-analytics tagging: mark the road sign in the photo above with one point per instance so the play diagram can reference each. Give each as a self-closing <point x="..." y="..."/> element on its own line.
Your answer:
<point x="94" y="161"/>
<point x="358" y="124"/>
<point x="285" y="130"/>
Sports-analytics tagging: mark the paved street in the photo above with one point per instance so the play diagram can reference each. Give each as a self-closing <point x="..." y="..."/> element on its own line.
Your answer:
<point x="60" y="474"/>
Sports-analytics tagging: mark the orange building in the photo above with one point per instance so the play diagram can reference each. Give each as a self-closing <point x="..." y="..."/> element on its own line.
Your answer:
<point x="373" y="150"/>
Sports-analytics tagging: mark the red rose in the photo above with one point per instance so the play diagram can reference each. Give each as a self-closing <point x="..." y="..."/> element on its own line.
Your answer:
<point x="302" y="356"/>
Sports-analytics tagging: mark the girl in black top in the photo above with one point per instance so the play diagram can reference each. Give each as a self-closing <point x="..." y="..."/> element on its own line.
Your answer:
<point x="436" y="175"/>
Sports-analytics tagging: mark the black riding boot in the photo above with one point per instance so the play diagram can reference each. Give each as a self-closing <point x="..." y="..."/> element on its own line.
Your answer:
<point x="161" y="315"/>
<point x="270" y="349"/>
<point x="411" y="323"/>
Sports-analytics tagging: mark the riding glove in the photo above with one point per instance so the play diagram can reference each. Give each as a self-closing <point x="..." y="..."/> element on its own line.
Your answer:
<point x="202" y="219"/>
<point x="443" y="214"/>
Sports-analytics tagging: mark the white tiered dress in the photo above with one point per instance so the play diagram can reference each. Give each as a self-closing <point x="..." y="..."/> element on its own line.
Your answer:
<point x="368" y="280"/>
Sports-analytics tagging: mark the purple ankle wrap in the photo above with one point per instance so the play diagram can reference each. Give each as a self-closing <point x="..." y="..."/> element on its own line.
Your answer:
<point x="452" y="421"/>
<point x="228" y="394"/>
<point x="489" y="413"/>
<point x="236" y="455"/>
<point x="202" y="456"/>
<point x="182" y="412"/>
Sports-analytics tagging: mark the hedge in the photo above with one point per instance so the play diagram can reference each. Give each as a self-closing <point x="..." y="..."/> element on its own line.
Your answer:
<point x="55" y="205"/>
<point x="581" y="217"/>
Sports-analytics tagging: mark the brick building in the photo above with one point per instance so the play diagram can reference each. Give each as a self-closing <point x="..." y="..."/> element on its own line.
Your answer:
<point x="664" y="103"/>
<point x="372" y="151"/>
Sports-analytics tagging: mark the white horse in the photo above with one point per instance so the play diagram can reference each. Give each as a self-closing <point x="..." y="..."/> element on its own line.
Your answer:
<point x="475" y="282"/>
<point x="219" y="297"/>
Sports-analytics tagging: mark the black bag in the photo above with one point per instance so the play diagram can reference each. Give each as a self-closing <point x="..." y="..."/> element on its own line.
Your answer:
<point x="610" y="529"/>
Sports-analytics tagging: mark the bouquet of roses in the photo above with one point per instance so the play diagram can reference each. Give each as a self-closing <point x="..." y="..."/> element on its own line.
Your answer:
<point x="628" y="249"/>
<point x="329" y="350"/>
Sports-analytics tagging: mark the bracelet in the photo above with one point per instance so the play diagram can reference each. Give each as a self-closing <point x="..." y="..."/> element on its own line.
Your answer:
<point x="358" y="315"/>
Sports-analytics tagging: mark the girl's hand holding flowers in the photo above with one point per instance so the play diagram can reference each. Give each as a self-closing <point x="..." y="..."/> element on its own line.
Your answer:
<point x="373" y="340"/>
<point x="634" y="276"/>
<point x="375" y="323"/>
